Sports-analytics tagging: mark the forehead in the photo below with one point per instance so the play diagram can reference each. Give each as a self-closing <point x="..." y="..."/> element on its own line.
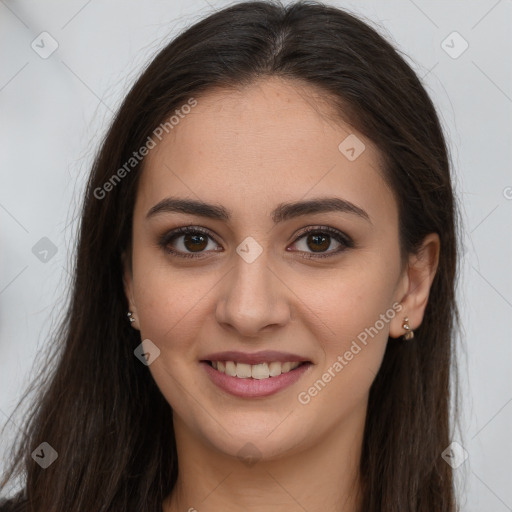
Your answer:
<point x="271" y="142"/>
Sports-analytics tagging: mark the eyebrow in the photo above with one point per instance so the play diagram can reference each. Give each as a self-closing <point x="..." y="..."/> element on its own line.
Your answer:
<point x="282" y="212"/>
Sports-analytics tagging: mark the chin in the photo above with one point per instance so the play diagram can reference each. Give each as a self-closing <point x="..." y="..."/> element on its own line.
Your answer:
<point x="244" y="441"/>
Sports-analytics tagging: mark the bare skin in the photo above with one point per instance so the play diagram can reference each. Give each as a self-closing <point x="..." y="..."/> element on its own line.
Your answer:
<point x="249" y="151"/>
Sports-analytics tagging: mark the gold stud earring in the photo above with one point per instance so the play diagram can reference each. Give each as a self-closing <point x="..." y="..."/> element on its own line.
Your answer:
<point x="130" y="316"/>
<point x="409" y="333"/>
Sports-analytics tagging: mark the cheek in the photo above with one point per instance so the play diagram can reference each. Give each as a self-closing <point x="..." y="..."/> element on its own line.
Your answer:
<point x="357" y="312"/>
<point x="169" y="307"/>
<point x="356" y="298"/>
<point x="171" y="304"/>
<point x="164" y="305"/>
<point x="351" y="362"/>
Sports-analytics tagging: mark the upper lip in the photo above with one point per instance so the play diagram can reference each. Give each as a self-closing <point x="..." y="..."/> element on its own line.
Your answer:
<point x="264" y="356"/>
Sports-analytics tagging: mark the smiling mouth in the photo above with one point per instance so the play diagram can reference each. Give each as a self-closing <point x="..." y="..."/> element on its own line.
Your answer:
<point x="255" y="371"/>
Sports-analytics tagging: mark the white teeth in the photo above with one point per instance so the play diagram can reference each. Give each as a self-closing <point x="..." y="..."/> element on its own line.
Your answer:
<point x="260" y="371"/>
<point x="256" y="371"/>
<point x="274" y="368"/>
<point x="243" y="370"/>
<point x="230" y="368"/>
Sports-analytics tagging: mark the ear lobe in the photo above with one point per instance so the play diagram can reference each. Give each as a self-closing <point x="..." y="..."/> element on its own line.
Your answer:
<point x="420" y="273"/>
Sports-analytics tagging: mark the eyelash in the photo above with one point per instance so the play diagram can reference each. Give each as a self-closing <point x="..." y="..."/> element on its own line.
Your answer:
<point x="340" y="237"/>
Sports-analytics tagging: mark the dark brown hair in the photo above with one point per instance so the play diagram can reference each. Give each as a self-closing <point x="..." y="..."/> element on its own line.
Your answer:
<point x="101" y="409"/>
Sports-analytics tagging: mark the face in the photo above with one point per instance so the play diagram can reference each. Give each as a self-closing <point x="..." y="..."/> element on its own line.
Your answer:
<point x="319" y="287"/>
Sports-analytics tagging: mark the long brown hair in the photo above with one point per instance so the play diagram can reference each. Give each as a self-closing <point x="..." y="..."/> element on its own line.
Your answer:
<point x="100" y="408"/>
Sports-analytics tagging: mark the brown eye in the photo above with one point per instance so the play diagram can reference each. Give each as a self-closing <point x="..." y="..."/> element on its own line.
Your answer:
<point x="186" y="242"/>
<point x="192" y="242"/>
<point x="319" y="239"/>
<point x="195" y="242"/>
<point x="318" y="242"/>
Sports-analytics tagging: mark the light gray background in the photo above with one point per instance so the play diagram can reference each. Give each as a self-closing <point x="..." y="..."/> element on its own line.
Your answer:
<point x="54" y="111"/>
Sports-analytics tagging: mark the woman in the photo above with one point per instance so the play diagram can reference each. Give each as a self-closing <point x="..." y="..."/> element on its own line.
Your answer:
<point x="263" y="301"/>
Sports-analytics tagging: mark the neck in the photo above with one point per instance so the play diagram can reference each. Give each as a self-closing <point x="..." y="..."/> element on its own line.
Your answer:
<point x="321" y="477"/>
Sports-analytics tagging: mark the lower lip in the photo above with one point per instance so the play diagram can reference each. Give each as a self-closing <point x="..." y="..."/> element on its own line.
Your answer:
<point x="252" y="388"/>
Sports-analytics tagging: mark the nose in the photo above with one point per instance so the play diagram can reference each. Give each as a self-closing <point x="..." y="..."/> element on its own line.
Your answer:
<point x="253" y="299"/>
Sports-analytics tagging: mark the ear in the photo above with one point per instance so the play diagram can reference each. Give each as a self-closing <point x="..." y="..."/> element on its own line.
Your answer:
<point x="415" y="284"/>
<point x="128" y="288"/>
